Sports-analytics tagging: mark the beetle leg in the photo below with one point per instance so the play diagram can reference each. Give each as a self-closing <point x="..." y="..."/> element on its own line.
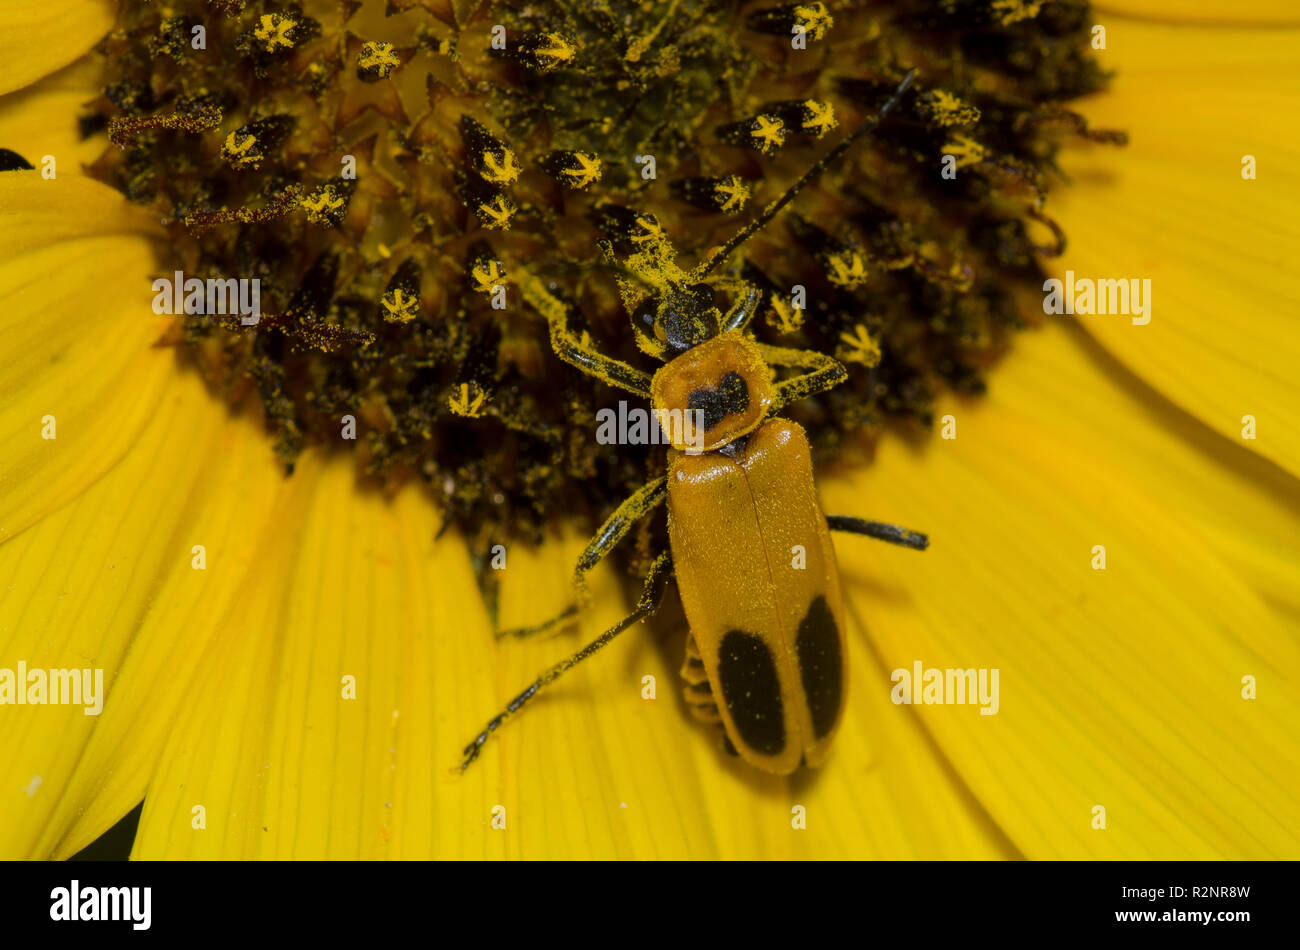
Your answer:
<point x="575" y="351"/>
<point x="880" y="530"/>
<point x="652" y="594"/>
<point x="822" y="372"/>
<point x="615" y="528"/>
<point x="698" y="691"/>
<point x="746" y="295"/>
<point x="738" y="317"/>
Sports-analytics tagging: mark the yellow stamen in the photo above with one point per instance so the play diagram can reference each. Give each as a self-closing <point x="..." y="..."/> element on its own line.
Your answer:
<point x="587" y="172"/>
<point x="1013" y="11"/>
<point x="768" y="133"/>
<point x="503" y="170"/>
<point x="560" y="50"/>
<point x="815" y="19"/>
<point x="273" y="30"/>
<point x="966" y="150"/>
<point x="400" y="307"/>
<point x="468" y="400"/>
<point x="846" y="269"/>
<point x="241" y="154"/>
<point x="821" y="117"/>
<point x="859" y="347"/>
<point x="947" y="110"/>
<point x="654" y="230"/>
<point x="732" y="193"/>
<point x="487" y="276"/>
<point x="788" y="317"/>
<point x="378" y="58"/>
<point x="321" y="201"/>
<point x="497" y="214"/>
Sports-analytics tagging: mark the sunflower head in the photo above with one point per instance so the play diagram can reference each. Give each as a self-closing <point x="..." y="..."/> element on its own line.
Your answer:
<point x="397" y="183"/>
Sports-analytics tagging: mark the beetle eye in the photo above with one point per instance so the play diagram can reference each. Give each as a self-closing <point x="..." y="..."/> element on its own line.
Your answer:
<point x="643" y="319"/>
<point x="645" y="316"/>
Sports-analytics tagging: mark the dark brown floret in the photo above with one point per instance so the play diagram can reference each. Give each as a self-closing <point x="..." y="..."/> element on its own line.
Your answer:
<point x="389" y="212"/>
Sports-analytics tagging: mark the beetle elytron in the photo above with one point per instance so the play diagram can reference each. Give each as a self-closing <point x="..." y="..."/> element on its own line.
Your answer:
<point x="765" y="655"/>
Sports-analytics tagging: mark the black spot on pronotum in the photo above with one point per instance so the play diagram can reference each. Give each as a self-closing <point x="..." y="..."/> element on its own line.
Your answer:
<point x="820" y="665"/>
<point x="730" y="396"/>
<point x="752" y="692"/>
<point x="13" y="162"/>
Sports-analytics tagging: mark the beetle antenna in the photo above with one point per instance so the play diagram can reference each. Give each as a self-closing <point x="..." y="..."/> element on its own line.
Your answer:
<point x="772" y="210"/>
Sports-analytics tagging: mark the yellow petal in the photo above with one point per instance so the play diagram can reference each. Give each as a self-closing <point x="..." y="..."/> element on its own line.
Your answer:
<point x="107" y="582"/>
<point x="36" y="212"/>
<point x="1173" y="207"/>
<point x="42" y="119"/>
<point x="338" y="584"/>
<point x="1222" y="13"/>
<point x="42" y="36"/>
<point x="1120" y="688"/>
<point x="76" y="324"/>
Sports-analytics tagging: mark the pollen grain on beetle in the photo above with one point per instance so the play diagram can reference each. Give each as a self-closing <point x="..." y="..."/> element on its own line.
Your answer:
<point x="412" y="183"/>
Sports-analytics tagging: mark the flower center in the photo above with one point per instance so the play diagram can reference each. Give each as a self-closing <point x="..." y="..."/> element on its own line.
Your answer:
<point x="389" y="182"/>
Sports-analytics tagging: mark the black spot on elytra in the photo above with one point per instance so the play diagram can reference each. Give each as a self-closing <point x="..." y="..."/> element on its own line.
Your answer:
<point x="730" y="396"/>
<point x="12" y="161"/>
<point x="752" y="691"/>
<point x="820" y="665"/>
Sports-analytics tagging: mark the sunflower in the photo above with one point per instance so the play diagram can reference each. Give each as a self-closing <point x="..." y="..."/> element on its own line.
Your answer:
<point x="293" y="661"/>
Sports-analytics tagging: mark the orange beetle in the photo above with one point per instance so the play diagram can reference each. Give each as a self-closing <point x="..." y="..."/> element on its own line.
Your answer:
<point x="749" y="545"/>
